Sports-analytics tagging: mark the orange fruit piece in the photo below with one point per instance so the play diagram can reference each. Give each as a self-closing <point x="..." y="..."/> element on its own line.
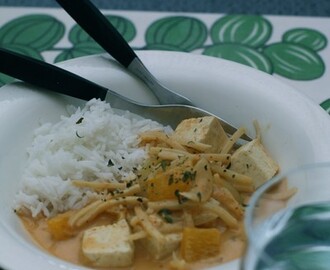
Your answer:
<point x="167" y="185"/>
<point x="59" y="227"/>
<point x="199" y="243"/>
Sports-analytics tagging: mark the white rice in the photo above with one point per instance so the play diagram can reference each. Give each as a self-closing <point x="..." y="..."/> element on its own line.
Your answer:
<point x="92" y="143"/>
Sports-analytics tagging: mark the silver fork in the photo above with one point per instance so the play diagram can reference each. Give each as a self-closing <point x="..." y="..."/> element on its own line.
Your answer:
<point x="59" y="80"/>
<point x="106" y="35"/>
<point x="90" y="18"/>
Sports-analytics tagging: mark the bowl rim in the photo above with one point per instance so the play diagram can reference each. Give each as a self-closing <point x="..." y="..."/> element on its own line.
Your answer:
<point x="246" y="73"/>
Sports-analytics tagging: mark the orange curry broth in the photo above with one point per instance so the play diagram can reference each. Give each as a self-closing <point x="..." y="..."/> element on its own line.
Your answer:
<point x="232" y="245"/>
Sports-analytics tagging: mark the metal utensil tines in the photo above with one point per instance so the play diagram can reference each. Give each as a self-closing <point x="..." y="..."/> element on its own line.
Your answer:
<point x="90" y="18"/>
<point x="54" y="78"/>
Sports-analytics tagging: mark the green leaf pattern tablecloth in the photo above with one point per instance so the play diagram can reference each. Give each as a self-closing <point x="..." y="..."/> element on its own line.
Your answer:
<point x="294" y="49"/>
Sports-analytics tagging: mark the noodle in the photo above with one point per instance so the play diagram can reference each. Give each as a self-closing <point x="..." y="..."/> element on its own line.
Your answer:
<point x="181" y="185"/>
<point x="232" y="140"/>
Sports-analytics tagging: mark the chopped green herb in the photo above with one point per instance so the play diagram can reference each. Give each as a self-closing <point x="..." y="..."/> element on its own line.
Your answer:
<point x="164" y="164"/>
<point x="170" y="180"/>
<point x="180" y="198"/>
<point x="177" y="194"/>
<point x="80" y="120"/>
<point x="110" y="163"/>
<point x="188" y="175"/>
<point x="166" y="214"/>
<point x="129" y="184"/>
<point x="78" y="135"/>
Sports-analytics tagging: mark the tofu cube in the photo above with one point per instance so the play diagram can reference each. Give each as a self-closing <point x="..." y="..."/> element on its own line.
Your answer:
<point x="206" y="130"/>
<point x="109" y="245"/>
<point x="252" y="160"/>
<point x="160" y="248"/>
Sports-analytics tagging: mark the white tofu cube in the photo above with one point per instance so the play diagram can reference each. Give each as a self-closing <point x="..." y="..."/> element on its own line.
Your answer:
<point x="206" y="130"/>
<point x="109" y="246"/>
<point x="159" y="249"/>
<point x="252" y="160"/>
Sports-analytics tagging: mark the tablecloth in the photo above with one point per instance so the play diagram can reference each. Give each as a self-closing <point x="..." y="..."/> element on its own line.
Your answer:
<point x="292" y="48"/>
<point x="287" y="39"/>
<point x="274" y="7"/>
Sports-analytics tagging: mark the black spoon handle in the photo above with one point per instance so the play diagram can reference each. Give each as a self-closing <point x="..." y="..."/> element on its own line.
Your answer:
<point x="48" y="76"/>
<point x="100" y="29"/>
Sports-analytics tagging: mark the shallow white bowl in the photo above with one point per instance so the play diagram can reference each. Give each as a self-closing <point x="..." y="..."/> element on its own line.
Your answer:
<point x="294" y="129"/>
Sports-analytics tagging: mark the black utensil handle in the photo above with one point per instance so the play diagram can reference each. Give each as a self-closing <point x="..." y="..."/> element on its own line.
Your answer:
<point x="90" y="18"/>
<point x="48" y="76"/>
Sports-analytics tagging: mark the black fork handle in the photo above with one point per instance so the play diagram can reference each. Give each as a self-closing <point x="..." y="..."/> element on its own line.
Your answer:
<point x="48" y="76"/>
<point x="90" y="18"/>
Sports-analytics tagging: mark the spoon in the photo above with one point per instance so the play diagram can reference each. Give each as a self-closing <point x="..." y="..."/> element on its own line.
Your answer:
<point x="59" y="80"/>
<point x="106" y="35"/>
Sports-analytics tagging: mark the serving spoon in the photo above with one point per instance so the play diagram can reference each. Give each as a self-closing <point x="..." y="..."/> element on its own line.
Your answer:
<point x="90" y="18"/>
<point x="59" y="80"/>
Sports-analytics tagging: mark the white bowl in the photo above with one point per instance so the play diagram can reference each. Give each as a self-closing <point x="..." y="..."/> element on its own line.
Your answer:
<point x="294" y="129"/>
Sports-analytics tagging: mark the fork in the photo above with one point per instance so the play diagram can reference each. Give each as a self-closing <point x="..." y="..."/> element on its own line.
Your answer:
<point x="54" y="78"/>
<point x="90" y="18"/>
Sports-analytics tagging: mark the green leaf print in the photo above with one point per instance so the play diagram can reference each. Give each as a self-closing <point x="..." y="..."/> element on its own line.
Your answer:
<point x="294" y="61"/>
<point x="308" y="259"/>
<point x="241" y="54"/>
<point x="124" y="26"/>
<point x="307" y="37"/>
<point x="38" y="31"/>
<point x="251" y="30"/>
<point x="326" y="105"/>
<point x="81" y="49"/>
<point x="22" y="49"/>
<point x="184" y="33"/>
<point x="4" y="79"/>
<point x="162" y="47"/>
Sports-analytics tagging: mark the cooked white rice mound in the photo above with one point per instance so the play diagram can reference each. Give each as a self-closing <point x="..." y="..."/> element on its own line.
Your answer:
<point x="93" y="143"/>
